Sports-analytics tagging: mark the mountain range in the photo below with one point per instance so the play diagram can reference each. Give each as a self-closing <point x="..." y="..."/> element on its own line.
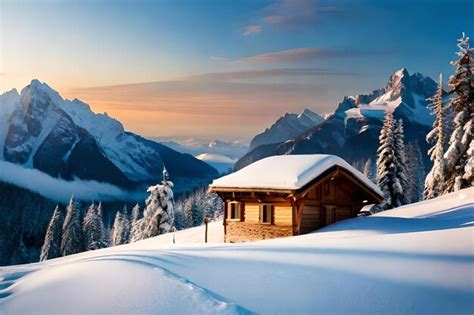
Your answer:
<point x="352" y="130"/>
<point x="66" y="139"/>
<point x="286" y="127"/>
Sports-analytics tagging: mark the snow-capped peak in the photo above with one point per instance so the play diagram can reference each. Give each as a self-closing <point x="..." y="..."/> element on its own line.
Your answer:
<point x="39" y="88"/>
<point x="402" y="89"/>
<point x="287" y="127"/>
<point x="308" y="114"/>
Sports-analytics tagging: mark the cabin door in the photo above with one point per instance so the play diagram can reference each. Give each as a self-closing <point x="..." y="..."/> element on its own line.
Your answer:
<point x="330" y="213"/>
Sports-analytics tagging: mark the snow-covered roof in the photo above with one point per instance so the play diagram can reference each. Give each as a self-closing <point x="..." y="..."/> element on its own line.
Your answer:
<point x="287" y="172"/>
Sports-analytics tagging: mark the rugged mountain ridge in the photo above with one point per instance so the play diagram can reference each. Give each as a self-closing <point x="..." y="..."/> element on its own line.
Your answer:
<point x="67" y="139"/>
<point x="287" y="127"/>
<point x="352" y="130"/>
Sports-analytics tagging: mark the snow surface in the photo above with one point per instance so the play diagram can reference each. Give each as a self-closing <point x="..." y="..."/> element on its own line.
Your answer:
<point x="290" y="172"/>
<point x="217" y="158"/>
<point x="411" y="260"/>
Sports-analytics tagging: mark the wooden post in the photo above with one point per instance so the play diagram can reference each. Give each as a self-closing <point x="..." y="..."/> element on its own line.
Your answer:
<point x="206" y="221"/>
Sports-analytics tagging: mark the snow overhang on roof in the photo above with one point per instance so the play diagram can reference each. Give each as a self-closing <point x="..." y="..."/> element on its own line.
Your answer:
<point x="287" y="173"/>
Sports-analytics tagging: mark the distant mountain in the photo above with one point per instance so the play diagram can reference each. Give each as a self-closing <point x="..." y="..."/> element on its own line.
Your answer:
<point x="223" y="164"/>
<point x="39" y="129"/>
<point x="352" y="131"/>
<point x="233" y="150"/>
<point x="286" y="127"/>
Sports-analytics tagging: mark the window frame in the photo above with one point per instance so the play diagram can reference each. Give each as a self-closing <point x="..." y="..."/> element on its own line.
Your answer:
<point x="238" y="205"/>
<point x="262" y="209"/>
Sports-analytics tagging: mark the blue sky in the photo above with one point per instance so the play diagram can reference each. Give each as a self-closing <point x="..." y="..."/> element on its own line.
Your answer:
<point x="299" y="53"/>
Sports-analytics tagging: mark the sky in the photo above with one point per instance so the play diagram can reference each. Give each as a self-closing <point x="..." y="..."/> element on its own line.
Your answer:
<point x="222" y="69"/>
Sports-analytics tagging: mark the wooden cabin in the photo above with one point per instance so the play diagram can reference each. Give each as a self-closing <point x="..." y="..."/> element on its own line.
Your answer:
<point x="291" y="195"/>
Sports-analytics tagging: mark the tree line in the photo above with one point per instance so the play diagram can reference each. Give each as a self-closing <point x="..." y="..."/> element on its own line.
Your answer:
<point x="398" y="169"/>
<point x="69" y="232"/>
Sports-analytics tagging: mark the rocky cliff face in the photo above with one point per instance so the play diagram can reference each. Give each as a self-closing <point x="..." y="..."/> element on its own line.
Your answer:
<point x="287" y="127"/>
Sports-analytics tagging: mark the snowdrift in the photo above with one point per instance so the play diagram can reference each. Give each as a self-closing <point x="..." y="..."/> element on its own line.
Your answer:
<point x="414" y="259"/>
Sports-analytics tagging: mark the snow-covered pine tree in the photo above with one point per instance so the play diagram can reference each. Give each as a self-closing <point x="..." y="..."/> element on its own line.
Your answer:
<point x="401" y="182"/>
<point x="93" y="229"/>
<point x="104" y="240"/>
<point x="117" y="230"/>
<point x="369" y="171"/>
<point x="71" y="241"/>
<point x="135" y="214"/>
<point x="158" y="216"/>
<point x="134" y="226"/>
<point x="125" y="237"/>
<point x="435" y="179"/>
<point x="458" y="157"/>
<point x="88" y="228"/>
<point x="416" y="172"/>
<point x="386" y="172"/>
<point x="52" y="240"/>
<point x="180" y="219"/>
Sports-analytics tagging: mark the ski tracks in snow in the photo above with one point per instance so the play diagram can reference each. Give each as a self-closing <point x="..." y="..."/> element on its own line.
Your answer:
<point x="217" y="304"/>
<point x="8" y="281"/>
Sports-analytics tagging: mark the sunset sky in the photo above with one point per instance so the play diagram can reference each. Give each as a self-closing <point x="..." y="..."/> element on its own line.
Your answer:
<point x="225" y="68"/>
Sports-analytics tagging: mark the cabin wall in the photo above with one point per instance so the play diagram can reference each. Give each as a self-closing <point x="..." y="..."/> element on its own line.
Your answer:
<point x="249" y="229"/>
<point x="238" y="232"/>
<point x="328" y="202"/>
<point x="336" y="197"/>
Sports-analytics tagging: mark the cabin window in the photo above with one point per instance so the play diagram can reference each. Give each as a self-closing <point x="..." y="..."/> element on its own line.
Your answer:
<point x="234" y="210"/>
<point x="266" y="214"/>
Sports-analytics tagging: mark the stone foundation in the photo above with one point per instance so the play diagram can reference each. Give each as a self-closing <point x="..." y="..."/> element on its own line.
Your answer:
<point x="238" y="232"/>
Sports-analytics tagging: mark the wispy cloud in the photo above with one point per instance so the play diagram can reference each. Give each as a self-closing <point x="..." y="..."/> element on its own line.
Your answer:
<point x="295" y="14"/>
<point x="216" y="58"/>
<point x="266" y="73"/>
<point x="251" y="30"/>
<point x="305" y="54"/>
<point x="215" y="104"/>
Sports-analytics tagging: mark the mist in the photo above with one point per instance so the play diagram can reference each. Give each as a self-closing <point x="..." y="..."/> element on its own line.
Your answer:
<point x="61" y="190"/>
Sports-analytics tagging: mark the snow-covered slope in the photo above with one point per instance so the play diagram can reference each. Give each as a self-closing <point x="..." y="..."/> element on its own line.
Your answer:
<point x="287" y="127"/>
<point x="411" y="260"/>
<point x="39" y="129"/>
<point x="221" y="163"/>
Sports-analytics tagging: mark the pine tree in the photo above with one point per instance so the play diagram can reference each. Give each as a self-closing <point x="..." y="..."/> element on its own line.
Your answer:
<point x="158" y="216"/>
<point x="135" y="214"/>
<point x="416" y="172"/>
<point x="121" y="229"/>
<point x="134" y="227"/>
<point x="125" y="237"/>
<point x="117" y="231"/>
<point x="459" y="156"/>
<point x="435" y="179"/>
<point x="401" y="178"/>
<point x="369" y="171"/>
<point x="386" y="172"/>
<point x="104" y="241"/>
<point x="71" y="242"/>
<point x="93" y="229"/>
<point x="52" y="240"/>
